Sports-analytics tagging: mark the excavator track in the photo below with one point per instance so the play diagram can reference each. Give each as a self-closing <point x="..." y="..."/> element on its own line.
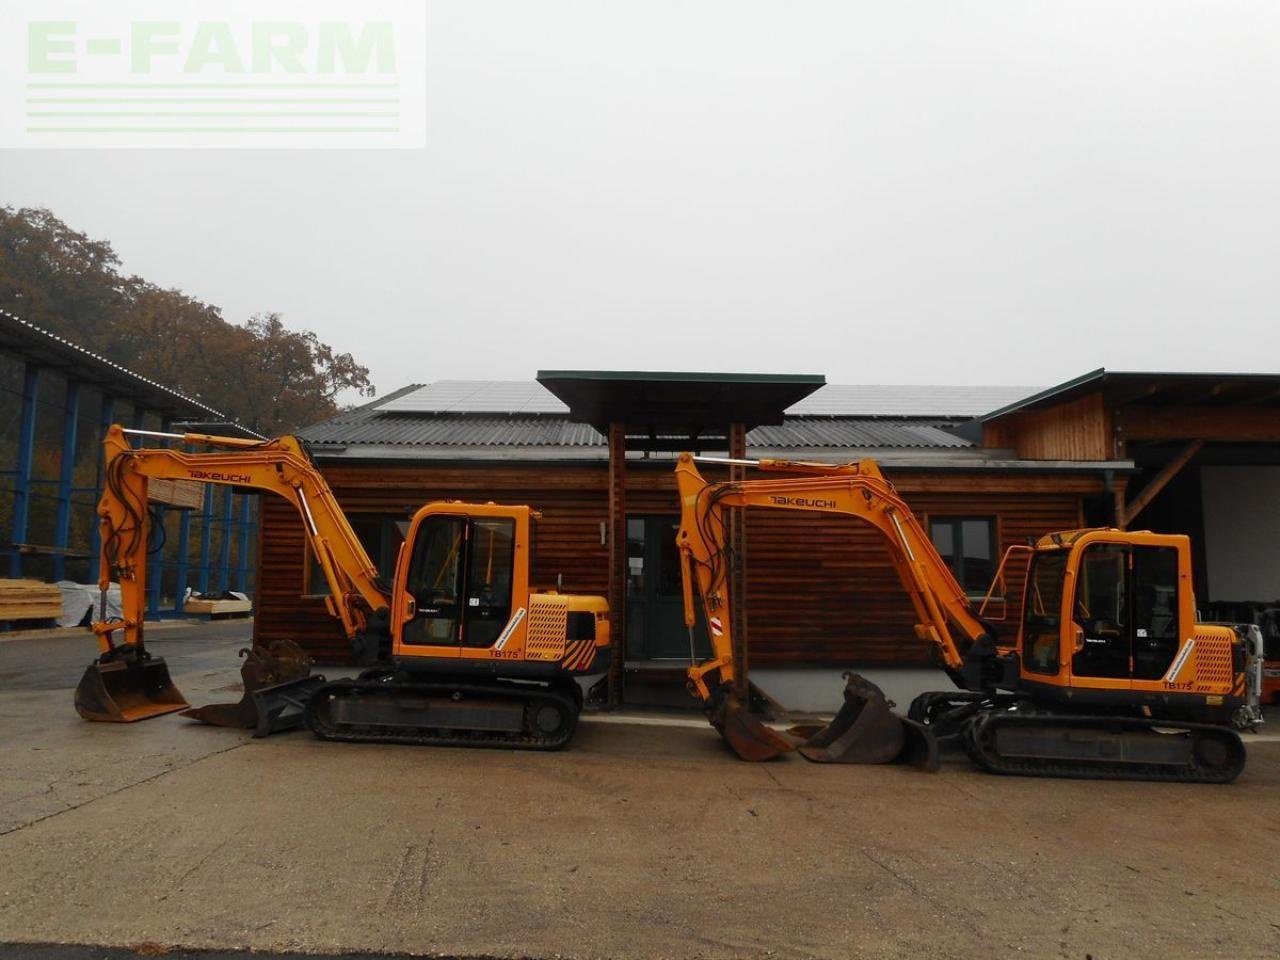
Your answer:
<point x="443" y="714"/>
<point x="1103" y="748"/>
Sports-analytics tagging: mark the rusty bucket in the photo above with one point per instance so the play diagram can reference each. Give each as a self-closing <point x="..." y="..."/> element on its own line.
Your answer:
<point x="749" y="738"/>
<point x="127" y="686"/>
<point x="866" y="730"/>
<point x="277" y="682"/>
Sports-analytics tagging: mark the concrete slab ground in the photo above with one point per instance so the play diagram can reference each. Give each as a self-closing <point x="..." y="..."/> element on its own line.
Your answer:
<point x="645" y="839"/>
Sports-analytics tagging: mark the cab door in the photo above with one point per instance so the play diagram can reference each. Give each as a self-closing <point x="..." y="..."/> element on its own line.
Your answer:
<point x="490" y="567"/>
<point x="1126" y="612"/>
<point x="436" y="581"/>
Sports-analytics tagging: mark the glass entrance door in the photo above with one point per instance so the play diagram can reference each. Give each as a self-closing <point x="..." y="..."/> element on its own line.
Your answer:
<point x="655" y="605"/>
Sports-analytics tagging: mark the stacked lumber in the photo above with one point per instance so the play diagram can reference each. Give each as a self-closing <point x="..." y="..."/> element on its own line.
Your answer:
<point x="183" y="494"/>
<point x="217" y="608"/>
<point x="29" y="600"/>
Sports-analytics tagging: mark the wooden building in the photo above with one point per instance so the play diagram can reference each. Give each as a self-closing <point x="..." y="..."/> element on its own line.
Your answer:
<point x="822" y="591"/>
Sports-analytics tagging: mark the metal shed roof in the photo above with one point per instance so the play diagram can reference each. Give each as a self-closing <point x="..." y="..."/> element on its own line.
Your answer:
<point x="38" y="345"/>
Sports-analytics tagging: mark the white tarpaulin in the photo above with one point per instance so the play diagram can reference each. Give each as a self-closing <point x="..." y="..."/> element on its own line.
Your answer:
<point x="83" y="599"/>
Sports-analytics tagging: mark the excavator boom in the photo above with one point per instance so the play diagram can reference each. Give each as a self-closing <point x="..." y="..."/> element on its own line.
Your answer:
<point x="126" y="683"/>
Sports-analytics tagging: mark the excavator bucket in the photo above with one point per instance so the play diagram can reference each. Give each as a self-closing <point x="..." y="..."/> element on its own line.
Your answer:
<point x="126" y="688"/>
<point x="749" y="738"/>
<point x="866" y="730"/>
<point x="277" y="684"/>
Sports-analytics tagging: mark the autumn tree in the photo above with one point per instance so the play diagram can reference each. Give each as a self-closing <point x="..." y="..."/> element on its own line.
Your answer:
<point x="264" y="375"/>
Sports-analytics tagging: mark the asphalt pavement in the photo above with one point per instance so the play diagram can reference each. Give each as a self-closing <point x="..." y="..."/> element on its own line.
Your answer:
<point x="644" y="839"/>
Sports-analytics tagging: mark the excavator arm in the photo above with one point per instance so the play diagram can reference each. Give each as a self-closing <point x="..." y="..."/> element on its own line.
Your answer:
<point x="945" y="619"/>
<point x="125" y="682"/>
<point x="279" y="466"/>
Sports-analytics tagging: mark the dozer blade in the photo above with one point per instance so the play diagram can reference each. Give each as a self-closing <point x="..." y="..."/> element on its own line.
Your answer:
<point x="749" y="738"/>
<point x="277" y="683"/>
<point x="126" y="689"/>
<point x="866" y="730"/>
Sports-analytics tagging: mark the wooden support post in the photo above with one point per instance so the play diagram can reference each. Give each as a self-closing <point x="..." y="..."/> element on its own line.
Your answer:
<point x="617" y="547"/>
<point x="1159" y="482"/>
<point x="1118" y="485"/>
<point x="738" y="567"/>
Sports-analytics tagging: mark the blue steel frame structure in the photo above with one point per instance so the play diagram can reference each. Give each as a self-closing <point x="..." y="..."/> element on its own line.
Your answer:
<point x="81" y="370"/>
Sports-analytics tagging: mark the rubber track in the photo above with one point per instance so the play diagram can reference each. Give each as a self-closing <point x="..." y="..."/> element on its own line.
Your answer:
<point x="529" y="739"/>
<point x="978" y="746"/>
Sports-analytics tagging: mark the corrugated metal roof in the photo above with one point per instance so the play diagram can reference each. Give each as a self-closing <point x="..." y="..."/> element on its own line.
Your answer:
<point x="849" y="432"/>
<point x="833" y="400"/>
<point x="475" y="430"/>
<point x="28" y="340"/>
<point x="457" y="430"/>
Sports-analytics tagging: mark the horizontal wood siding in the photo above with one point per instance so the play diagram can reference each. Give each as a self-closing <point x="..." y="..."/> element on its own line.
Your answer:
<point x="822" y="589"/>
<point x="1079" y="430"/>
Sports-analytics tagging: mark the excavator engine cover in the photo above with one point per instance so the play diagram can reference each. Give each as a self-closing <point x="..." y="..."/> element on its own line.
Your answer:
<point x="125" y="686"/>
<point x="749" y="738"/>
<point x="277" y="683"/>
<point x="866" y="730"/>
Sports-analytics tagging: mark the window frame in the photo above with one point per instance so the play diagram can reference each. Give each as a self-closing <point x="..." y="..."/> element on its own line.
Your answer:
<point x="383" y="553"/>
<point x="956" y="565"/>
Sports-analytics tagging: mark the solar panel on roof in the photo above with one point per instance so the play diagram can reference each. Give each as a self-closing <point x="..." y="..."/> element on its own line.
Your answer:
<point x="875" y="400"/>
<point x="477" y="396"/>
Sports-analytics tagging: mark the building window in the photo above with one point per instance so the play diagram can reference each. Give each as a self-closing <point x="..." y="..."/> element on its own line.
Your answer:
<point x="380" y="536"/>
<point x="968" y="547"/>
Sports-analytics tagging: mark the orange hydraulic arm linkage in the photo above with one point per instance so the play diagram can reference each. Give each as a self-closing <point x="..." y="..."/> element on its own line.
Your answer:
<point x="279" y="466"/>
<point x="943" y="611"/>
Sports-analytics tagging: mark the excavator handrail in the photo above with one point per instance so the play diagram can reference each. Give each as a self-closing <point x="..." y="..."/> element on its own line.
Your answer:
<point x="998" y="581"/>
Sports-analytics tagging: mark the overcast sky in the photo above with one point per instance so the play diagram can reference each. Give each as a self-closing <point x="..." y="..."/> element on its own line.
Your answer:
<point x="882" y="192"/>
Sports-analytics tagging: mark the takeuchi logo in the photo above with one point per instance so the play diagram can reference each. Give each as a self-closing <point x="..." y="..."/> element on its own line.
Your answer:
<point x="215" y="477"/>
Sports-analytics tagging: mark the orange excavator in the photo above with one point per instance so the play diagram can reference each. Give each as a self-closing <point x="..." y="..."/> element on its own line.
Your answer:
<point x="1109" y="676"/>
<point x="462" y="648"/>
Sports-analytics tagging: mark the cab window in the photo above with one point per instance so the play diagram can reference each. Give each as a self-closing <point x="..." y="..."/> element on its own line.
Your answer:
<point x="1101" y="611"/>
<point x="1042" y="613"/>
<point x="1155" y="611"/>
<point x="489" y="580"/>
<point x="435" y="581"/>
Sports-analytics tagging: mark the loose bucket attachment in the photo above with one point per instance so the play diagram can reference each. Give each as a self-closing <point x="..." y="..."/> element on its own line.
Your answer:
<point x="749" y="738"/>
<point x="126" y="686"/>
<point x="277" y="684"/>
<point x="866" y="730"/>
